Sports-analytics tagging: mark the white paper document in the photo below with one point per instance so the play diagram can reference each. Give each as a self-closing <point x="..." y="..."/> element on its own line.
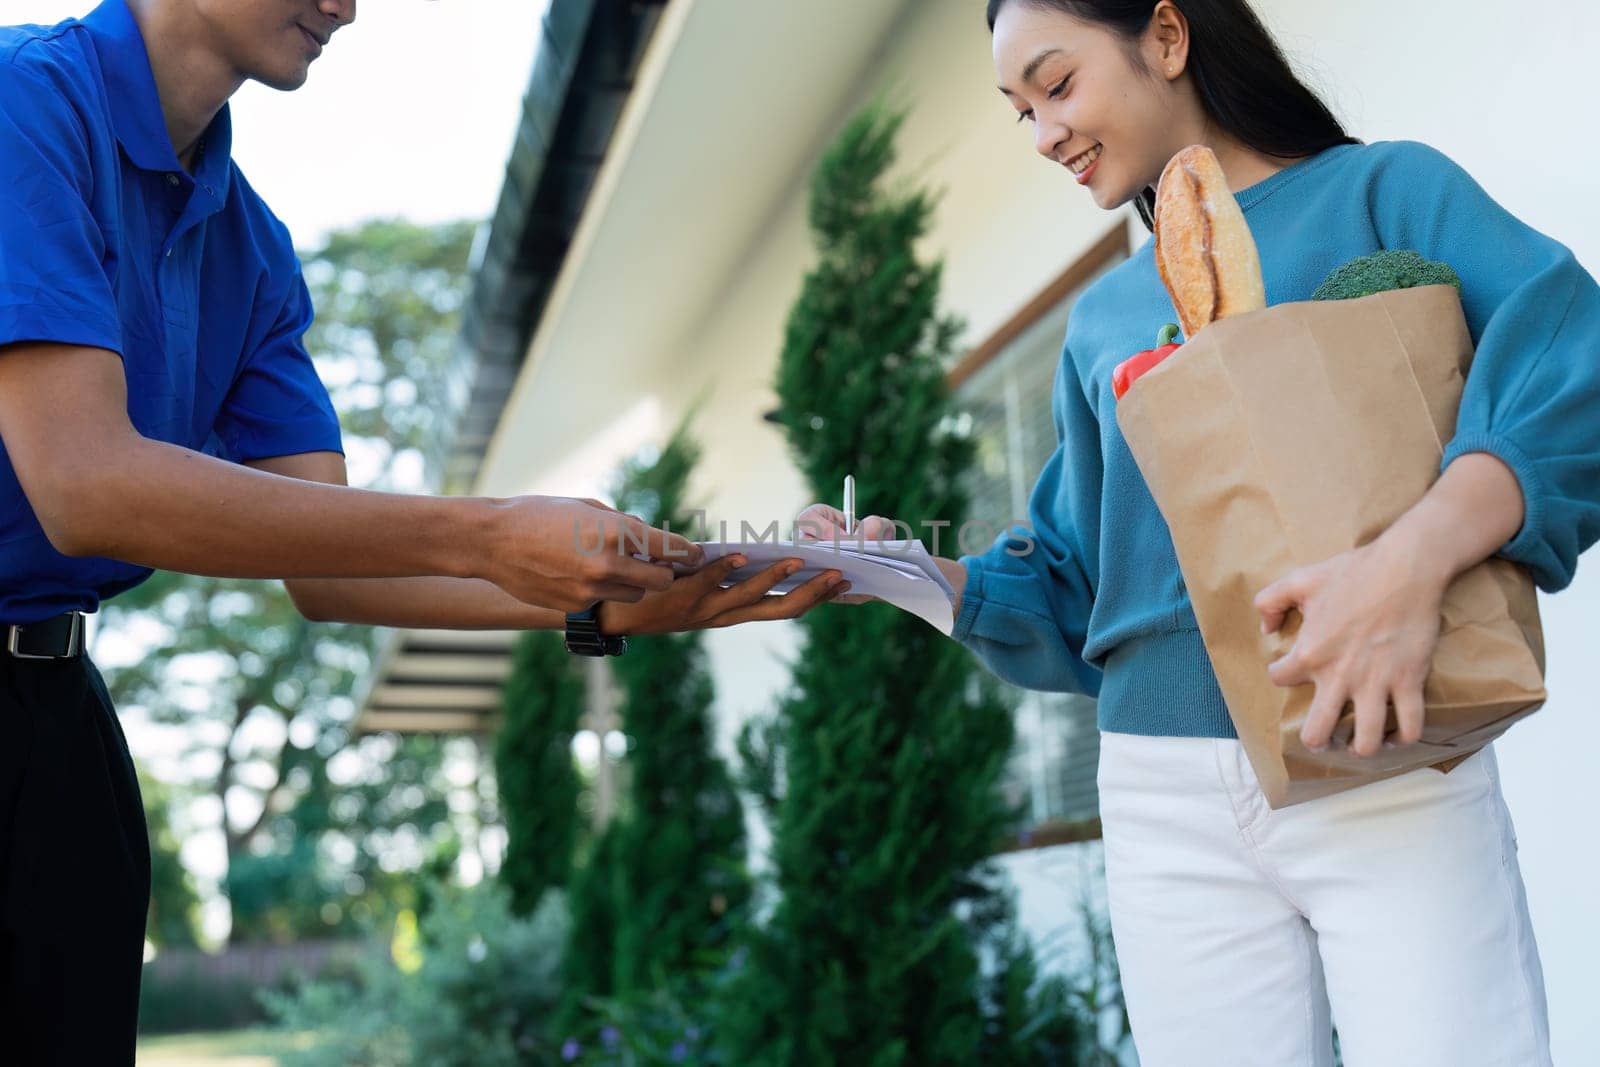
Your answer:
<point x="901" y="573"/>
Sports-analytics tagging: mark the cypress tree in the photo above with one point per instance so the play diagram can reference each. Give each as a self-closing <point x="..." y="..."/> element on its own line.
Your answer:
<point x="652" y="907"/>
<point x="682" y="839"/>
<point x="589" y="961"/>
<point x="533" y="768"/>
<point x="889" y="747"/>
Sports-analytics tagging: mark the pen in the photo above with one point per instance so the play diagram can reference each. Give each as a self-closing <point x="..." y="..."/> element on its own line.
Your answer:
<point x="849" y="504"/>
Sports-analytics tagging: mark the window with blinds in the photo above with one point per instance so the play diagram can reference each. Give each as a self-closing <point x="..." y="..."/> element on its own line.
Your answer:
<point x="1051" y="775"/>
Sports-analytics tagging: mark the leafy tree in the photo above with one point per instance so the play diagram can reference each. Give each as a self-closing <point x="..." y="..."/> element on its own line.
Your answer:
<point x="588" y="965"/>
<point x="174" y="904"/>
<point x="342" y="857"/>
<point x="264" y="695"/>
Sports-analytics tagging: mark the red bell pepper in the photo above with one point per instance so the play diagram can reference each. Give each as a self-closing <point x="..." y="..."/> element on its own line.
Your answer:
<point x="1129" y="370"/>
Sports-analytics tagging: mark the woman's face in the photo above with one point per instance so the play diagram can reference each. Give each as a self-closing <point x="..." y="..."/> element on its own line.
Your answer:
<point x="1091" y="108"/>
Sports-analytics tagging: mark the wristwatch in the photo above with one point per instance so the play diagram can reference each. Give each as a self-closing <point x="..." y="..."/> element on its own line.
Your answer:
<point x="585" y="639"/>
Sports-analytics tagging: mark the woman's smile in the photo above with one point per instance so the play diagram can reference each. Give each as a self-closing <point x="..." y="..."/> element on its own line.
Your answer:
<point x="1082" y="165"/>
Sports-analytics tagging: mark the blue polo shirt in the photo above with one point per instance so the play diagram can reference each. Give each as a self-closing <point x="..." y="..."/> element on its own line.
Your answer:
<point x="106" y="242"/>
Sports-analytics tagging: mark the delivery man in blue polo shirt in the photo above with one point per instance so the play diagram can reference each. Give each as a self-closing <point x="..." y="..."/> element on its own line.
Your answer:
<point x="158" y="410"/>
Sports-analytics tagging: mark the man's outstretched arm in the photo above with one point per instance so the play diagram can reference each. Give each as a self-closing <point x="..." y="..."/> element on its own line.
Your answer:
<point x="693" y="602"/>
<point x="99" y="488"/>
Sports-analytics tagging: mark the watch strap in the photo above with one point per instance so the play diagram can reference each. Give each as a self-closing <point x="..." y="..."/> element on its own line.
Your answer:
<point x="585" y="639"/>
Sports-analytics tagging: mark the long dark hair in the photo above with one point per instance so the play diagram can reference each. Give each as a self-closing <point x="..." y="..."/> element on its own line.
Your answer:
<point x="1246" y="85"/>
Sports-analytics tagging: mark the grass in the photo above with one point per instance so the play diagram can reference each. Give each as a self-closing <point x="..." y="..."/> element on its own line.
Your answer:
<point x="233" y="1048"/>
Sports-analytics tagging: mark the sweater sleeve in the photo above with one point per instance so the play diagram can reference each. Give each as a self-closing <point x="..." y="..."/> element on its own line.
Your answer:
<point x="1025" y="608"/>
<point x="1533" y="392"/>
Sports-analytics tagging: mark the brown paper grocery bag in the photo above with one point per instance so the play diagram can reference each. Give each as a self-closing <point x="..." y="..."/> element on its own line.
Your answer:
<point x="1283" y="437"/>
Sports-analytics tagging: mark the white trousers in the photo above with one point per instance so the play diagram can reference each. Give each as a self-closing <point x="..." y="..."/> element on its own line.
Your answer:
<point x="1397" y="908"/>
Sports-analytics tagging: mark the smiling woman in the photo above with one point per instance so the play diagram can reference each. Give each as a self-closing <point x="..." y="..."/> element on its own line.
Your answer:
<point x="1242" y="929"/>
<point x="1114" y="88"/>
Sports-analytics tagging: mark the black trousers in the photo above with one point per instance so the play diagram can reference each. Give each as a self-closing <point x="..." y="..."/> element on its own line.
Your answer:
<point x="74" y="869"/>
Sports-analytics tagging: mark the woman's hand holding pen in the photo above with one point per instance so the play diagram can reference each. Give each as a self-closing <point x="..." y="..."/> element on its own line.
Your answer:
<point x="822" y="522"/>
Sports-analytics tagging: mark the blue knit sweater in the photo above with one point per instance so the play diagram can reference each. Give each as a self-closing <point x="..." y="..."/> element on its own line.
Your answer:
<point x="1098" y="605"/>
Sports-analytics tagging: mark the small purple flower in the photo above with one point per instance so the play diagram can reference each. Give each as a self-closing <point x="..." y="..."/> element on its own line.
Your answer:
<point x="679" y="1052"/>
<point x="693" y="1033"/>
<point x="571" y="1050"/>
<point x="611" y="1037"/>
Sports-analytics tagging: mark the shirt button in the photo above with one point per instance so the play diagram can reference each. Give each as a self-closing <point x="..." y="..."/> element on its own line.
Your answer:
<point x="169" y="253"/>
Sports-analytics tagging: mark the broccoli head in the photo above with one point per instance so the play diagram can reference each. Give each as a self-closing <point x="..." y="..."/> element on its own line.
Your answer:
<point x="1382" y="271"/>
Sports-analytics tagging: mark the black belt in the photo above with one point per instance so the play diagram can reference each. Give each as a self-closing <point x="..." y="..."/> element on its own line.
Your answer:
<point x="57" y="638"/>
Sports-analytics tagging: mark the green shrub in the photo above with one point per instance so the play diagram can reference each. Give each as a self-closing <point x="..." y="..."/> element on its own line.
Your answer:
<point x="484" y="995"/>
<point x="191" y="1000"/>
<point x="666" y="1027"/>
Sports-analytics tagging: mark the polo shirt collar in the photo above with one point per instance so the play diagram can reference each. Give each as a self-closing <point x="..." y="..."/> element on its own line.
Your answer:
<point x="136" y="108"/>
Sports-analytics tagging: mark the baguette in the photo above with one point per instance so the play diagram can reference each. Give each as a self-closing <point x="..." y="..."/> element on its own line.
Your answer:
<point x="1203" y="246"/>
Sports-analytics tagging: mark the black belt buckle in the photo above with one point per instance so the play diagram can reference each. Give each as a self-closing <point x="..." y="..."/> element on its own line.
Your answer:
<point x="57" y="638"/>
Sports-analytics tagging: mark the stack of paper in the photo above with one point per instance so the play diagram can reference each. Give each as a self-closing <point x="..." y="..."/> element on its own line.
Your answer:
<point x="901" y="573"/>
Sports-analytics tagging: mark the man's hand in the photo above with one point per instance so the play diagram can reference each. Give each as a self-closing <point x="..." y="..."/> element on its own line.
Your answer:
<point x="567" y="554"/>
<point x="698" y="601"/>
